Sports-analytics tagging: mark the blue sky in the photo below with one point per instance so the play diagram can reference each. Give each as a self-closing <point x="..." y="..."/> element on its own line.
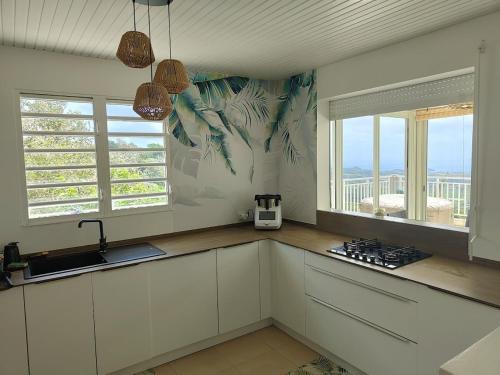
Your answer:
<point x="449" y="143"/>
<point x="123" y="126"/>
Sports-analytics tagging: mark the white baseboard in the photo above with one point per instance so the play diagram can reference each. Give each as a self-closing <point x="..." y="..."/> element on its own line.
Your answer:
<point x="168" y="357"/>
<point x="325" y="353"/>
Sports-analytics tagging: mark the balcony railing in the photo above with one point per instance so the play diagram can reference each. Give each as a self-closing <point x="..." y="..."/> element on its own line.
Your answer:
<point x="454" y="189"/>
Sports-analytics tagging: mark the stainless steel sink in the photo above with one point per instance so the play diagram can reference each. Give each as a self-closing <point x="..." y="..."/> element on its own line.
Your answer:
<point x="45" y="265"/>
<point x="131" y="252"/>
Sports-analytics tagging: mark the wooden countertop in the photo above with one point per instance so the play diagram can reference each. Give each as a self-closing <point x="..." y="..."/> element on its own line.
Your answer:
<point x="469" y="280"/>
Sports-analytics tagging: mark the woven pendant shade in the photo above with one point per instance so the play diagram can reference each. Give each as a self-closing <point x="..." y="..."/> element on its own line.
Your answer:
<point x="173" y="75"/>
<point x="152" y="101"/>
<point x="135" y="50"/>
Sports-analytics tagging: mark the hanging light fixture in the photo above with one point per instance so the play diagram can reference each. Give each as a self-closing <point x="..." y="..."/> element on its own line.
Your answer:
<point x="135" y="49"/>
<point x="171" y="73"/>
<point x="152" y="101"/>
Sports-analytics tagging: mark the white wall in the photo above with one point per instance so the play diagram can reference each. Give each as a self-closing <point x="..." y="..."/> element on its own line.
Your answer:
<point x="30" y="70"/>
<point x="439" y="52"/>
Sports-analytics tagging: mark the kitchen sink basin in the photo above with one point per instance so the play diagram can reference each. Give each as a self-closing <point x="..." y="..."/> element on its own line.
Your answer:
<point x="44" y="265"/>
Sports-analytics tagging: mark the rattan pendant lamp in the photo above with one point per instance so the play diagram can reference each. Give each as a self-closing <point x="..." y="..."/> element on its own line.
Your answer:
<point x="152" y="101"/>
<point x="171" y="73"/>
<point x="135" y="49"/>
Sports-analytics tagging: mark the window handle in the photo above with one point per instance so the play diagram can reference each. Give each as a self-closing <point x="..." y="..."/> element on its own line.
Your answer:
<point x="101" y="194"/>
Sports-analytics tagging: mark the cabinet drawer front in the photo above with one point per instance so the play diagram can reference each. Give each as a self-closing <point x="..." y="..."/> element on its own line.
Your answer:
<point x="390" y="311"/>
<point x="365" y="275"/>
<point x="371" y="349"/>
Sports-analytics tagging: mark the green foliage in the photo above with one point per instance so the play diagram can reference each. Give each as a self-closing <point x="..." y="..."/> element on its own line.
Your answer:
<point x="76" y="176"/>
<point x="62" y="193"/>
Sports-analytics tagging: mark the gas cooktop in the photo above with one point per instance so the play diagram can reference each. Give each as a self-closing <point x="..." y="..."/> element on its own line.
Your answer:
<point x="375" y="252"/>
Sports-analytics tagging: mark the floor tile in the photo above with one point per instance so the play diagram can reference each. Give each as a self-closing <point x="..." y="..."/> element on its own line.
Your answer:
<point x="273" y="337"/>
<point x="268" y="351"/>
<point x="229" y="371"/>
<point x="165" y="369"/>
<point x="206" y="362"/>
<point x="270" y="363"/>
<point x="243" y="349"/>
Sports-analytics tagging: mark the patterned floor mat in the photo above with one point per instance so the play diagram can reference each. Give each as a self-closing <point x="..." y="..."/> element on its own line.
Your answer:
<point x="320" y="366"/>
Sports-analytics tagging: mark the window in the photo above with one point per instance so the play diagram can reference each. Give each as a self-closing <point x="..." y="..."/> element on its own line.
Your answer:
<point x="59" y="141"/>
<point x="73" y="167"/>
<point x="137" y="158"/>
<point x="414" y="163"/>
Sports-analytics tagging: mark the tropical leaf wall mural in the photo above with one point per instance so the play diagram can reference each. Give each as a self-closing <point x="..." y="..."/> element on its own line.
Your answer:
<point x="218" y="105"/>
<point x="248" y="127"/>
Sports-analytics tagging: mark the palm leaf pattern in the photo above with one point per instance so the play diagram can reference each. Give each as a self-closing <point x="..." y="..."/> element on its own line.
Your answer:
<point x="217" y="106"/>
<point x="286" y="104"/>
<point x="220" y="107"/>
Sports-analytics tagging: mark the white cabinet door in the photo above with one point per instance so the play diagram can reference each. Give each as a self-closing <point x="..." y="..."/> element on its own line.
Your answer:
<point x="238" y="286"/>
<point x="60" y="327"/>
<point x="449" y="325"/>
<point x="265" y="279"/>
<point x="122" y="317"/>
<point x="13" y="355"/>
<point x="370" y="348"/>
<point x="183" y="301"/>
<point x="288" y="288"/>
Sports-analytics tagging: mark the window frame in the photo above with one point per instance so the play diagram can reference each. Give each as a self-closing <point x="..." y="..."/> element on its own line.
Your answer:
<point x="336" y="127"/>
<point x="108" y="182"/>
<point x="99" y="117"/>
<point x="416" y="143"/>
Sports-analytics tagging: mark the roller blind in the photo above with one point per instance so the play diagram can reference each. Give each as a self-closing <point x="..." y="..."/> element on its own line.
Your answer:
<point x="456" y="89"/>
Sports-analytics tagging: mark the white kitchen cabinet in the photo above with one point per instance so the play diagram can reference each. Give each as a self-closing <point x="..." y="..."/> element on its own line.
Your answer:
<point x="370" y="348"/>
<point x="183" y="301"/>
<point x="265" y="279"/>
<point x="60" y="327"/>
<point x="13" y="355"/>
<point x="448" y="325"/>
<point x="238" y="286"/>
<point x="388" y="310"/>
<point x="122" y="317"/>
<point x="288" y="291"/>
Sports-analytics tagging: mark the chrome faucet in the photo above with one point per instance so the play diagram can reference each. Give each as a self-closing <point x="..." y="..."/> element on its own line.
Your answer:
<point x="103" y="245"/>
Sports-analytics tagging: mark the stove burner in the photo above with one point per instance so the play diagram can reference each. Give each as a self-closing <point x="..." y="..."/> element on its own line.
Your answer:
<point x="375" y="252"/>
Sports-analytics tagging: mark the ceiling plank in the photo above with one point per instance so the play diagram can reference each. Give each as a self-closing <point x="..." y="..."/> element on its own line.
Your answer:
<point x="260" y="38"/>
<point x="33" y="23"/>
<point x="8" y="22"/>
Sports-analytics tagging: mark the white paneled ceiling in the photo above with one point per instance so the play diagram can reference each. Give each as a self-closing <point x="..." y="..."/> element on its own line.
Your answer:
<point x="259" y="38"/>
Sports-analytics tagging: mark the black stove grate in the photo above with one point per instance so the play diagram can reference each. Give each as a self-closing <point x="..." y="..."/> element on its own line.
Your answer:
<point x="373" y="251"/>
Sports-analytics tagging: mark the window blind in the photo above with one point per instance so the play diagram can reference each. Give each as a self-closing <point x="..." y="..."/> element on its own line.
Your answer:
<point x="456" y="89"/>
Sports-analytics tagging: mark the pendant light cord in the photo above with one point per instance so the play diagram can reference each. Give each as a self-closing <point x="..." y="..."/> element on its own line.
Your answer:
<point x="169" y="35"/>
<point x="150" y="47"/>
<point x="133" y="4"/>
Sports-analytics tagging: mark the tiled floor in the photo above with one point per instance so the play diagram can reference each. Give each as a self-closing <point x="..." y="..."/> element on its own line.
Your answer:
<point x="266" y="352"/>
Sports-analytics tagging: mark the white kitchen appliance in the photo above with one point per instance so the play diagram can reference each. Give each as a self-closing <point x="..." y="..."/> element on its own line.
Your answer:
<point x="267" y="211"/>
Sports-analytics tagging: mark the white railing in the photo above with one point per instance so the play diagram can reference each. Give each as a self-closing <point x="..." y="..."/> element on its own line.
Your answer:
<point x="454" y="189"/>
